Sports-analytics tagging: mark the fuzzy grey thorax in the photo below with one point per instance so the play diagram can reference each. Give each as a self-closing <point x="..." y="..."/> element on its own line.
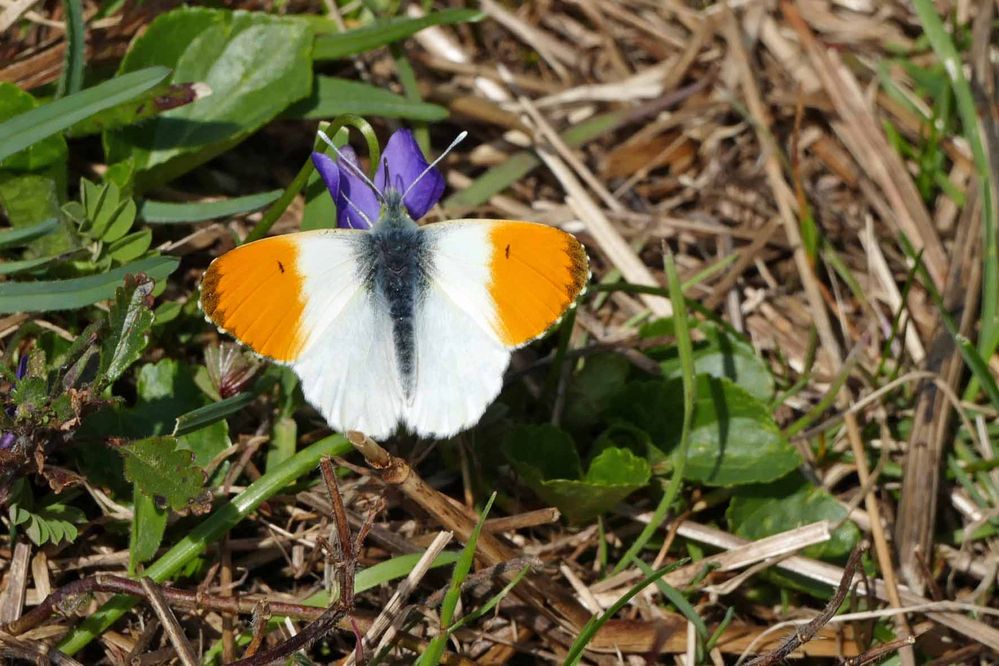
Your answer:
<point x="398" y="263"/>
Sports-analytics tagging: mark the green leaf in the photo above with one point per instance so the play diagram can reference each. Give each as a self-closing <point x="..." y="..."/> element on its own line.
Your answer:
<point x="207" y="442"/>
<point x="733" y="438"/>
<point x="148" y="526"/>
<point x="547" y="460"/>
<point x="435" y="649"/>
<point x="161" y="212"/>
<point x="760" y="511"/>
<point x="162" y="98"/>
<point x="15" y="267"/>
<point x="51" y="522"/>
<point x="23" y="235"/>
<point x="593" y="387"/>
<point x="32" y="126"/>
<point x="131" y="247"/>
<point x="208" y="414"/>
<point x="36" y="155"/>
<point x="162" y="471"/>
<point x="71" y="79"/>
<point x="386" y="31"/>
<point x="129" y="322"/>
<point x="45" y="296"/>
<point x="255" y="65"/>
<point x="284" y="437"/>
<point x="120" y="223"/>
<point x="195" y="541"/>
<point x="719" y="354"/>
<point x="332" y="96"/>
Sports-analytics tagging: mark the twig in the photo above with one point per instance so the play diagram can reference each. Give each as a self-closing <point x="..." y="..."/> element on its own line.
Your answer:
<point x="806" y="633"/>
<point x="879" y="652"/>
<point x="169" y="621"/>
<point x="391" y="609"/>
<point x="346" y="566"/>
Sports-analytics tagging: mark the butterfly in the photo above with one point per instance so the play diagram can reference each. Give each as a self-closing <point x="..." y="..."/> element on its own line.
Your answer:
<point x="396" y="324"/>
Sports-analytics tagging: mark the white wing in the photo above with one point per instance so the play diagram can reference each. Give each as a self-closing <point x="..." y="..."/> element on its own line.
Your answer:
<point x="348" y="369"/>
<point x="302" y="299"/>
<point x="460" y="360"/>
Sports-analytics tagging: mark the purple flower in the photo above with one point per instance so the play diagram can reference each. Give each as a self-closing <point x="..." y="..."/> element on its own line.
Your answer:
<point x="401" y="164"/>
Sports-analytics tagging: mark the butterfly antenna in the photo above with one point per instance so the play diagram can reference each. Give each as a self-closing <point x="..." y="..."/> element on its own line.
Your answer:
<point x="359" y="211"/>
<point x="458" y="139"/>
<point x="352" y="167"/>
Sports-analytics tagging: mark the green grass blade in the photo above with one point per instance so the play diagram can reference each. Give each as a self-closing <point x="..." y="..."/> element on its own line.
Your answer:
<point x="685" y="351"/>
<point x="26" y="128"/>
<point x="163" y="212"/>
<point x="435" y="649"/>
<point x="675" y="597"/>
<point x="218" y="523"/>
<point x="15" y="267"/>
<point x="593" y="626"/>
<point x="942" y="44"/>
<point x="48" y="295"/>
<point x="71" y="79"/>
<point x="500" y="177"/>
<point x="209" y="414"/>
<point x="396" y="568"/>
<point x="381" y="33"/>
<point x="490" y="604"/>
<point x="23" y="235"/>
<point x="333" y="96"/>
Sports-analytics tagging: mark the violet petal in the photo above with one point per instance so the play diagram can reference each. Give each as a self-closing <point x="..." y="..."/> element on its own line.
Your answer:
<point x="328" y="171"/>
<point x="403" y="162"/>
<point x="7" y="440"/>
<point x="354" y="188"/>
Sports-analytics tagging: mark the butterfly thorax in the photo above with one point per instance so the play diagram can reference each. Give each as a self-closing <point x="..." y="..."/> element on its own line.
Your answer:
<point x="397" y="263"/>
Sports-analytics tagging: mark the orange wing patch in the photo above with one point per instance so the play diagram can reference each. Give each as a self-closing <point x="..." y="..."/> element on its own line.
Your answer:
<point x="537" y="273"/>
<point x="255" y="293"/>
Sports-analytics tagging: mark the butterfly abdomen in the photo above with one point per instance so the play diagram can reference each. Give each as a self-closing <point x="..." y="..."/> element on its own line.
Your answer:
<point x="398" y="256"/>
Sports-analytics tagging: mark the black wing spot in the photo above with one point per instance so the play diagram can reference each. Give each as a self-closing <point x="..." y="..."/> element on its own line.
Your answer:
<point x="507" y="251"/>
<point x="281" y="267"/>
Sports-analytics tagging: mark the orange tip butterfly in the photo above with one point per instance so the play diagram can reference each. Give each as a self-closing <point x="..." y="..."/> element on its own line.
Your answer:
<point x="396" y="324"/>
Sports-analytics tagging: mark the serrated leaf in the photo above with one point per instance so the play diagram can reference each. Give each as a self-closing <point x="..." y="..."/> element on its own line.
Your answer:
<point x="763" y="510"/>
<point x="163" y="472"/>
<point x="48" y="295"/>
<point x="547" y="460"/>
<point x="131" y="247"/>
<point x="332" y="97"/>
<point x="255" y="64"/>
<point x="129" y="321"/>
<point x="719" y="354"/>
<point x="733" y="438"/>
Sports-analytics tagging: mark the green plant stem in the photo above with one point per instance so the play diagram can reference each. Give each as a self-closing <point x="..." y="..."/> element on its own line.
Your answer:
<point x="944" y="48"/>
<point x="195" y="542"/>
<point x="301" y="178"/>
<point x="686" y="354"/>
